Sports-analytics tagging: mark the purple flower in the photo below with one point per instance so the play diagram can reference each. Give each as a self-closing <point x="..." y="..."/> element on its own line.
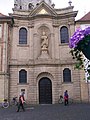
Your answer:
<point x="78" y="36"/>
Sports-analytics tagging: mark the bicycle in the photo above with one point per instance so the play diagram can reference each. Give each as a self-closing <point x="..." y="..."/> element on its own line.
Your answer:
<point x="14" y="101"/>
<point x="4" y="103"/>
<point x="70" y="100"/>
<point x="61" y="100"/>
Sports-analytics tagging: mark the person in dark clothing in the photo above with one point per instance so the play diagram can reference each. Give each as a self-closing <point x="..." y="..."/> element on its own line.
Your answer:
<point x="21" y="102"/>
<point x="66" y="98"/>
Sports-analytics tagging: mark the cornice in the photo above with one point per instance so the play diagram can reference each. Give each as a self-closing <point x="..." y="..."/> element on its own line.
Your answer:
<point x="42" y="62"/>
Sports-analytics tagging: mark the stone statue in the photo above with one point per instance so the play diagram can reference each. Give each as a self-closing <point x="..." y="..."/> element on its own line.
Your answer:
<point x="44" y="41"/>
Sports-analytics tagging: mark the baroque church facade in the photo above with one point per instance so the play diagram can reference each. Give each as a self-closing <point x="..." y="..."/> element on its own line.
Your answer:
<point x="37" y="59"/>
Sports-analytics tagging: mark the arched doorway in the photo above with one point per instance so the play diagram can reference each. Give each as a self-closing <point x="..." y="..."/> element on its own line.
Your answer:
<point x="45" y="91"/>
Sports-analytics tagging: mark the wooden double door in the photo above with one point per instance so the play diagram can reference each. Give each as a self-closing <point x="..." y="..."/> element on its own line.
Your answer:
<point x="45" y="91"/>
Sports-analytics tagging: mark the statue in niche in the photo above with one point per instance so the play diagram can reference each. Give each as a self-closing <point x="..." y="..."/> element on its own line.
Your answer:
<point x="44" y="41"/>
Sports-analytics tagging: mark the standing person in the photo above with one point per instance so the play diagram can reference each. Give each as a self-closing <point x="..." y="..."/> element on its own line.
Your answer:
<point x="66" y="98"/>
<point x="21" y="102"/>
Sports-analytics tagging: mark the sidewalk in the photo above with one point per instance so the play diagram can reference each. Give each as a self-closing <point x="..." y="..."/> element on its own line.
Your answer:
<point x="48" y="112"/>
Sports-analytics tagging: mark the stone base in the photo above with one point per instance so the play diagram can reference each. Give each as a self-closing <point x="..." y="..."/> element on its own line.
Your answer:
<point x="44" y="54"/>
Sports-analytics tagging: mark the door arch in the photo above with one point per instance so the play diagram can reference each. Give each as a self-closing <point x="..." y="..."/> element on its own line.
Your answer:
<point x="45" y="91"/>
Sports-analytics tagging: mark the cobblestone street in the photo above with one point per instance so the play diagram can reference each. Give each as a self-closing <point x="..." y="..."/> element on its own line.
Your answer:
<point x="48" y="112"/>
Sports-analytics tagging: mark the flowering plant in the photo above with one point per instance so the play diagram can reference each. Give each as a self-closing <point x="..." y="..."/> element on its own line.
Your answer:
<point x="80" y="43"/>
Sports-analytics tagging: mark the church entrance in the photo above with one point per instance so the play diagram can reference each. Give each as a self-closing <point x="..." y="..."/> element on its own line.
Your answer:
<point x="45" y="91"/>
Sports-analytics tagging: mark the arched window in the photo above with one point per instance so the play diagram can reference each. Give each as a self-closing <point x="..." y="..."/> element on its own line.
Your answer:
<point x="64" y="34"/>
<point x="22" y="76"/>
<point x="66" y="75"/>
<point x="22" y="36"/>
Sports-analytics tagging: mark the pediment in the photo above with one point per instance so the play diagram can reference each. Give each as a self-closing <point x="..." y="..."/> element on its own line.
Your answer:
<point x="43" y="9"/>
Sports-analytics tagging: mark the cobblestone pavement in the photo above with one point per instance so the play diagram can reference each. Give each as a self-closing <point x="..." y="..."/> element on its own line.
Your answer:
<point x="48" y="112"/>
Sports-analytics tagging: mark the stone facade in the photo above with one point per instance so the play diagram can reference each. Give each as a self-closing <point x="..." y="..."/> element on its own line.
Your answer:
<point x="5" y="27"/>
<point x="43" y="62"/>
